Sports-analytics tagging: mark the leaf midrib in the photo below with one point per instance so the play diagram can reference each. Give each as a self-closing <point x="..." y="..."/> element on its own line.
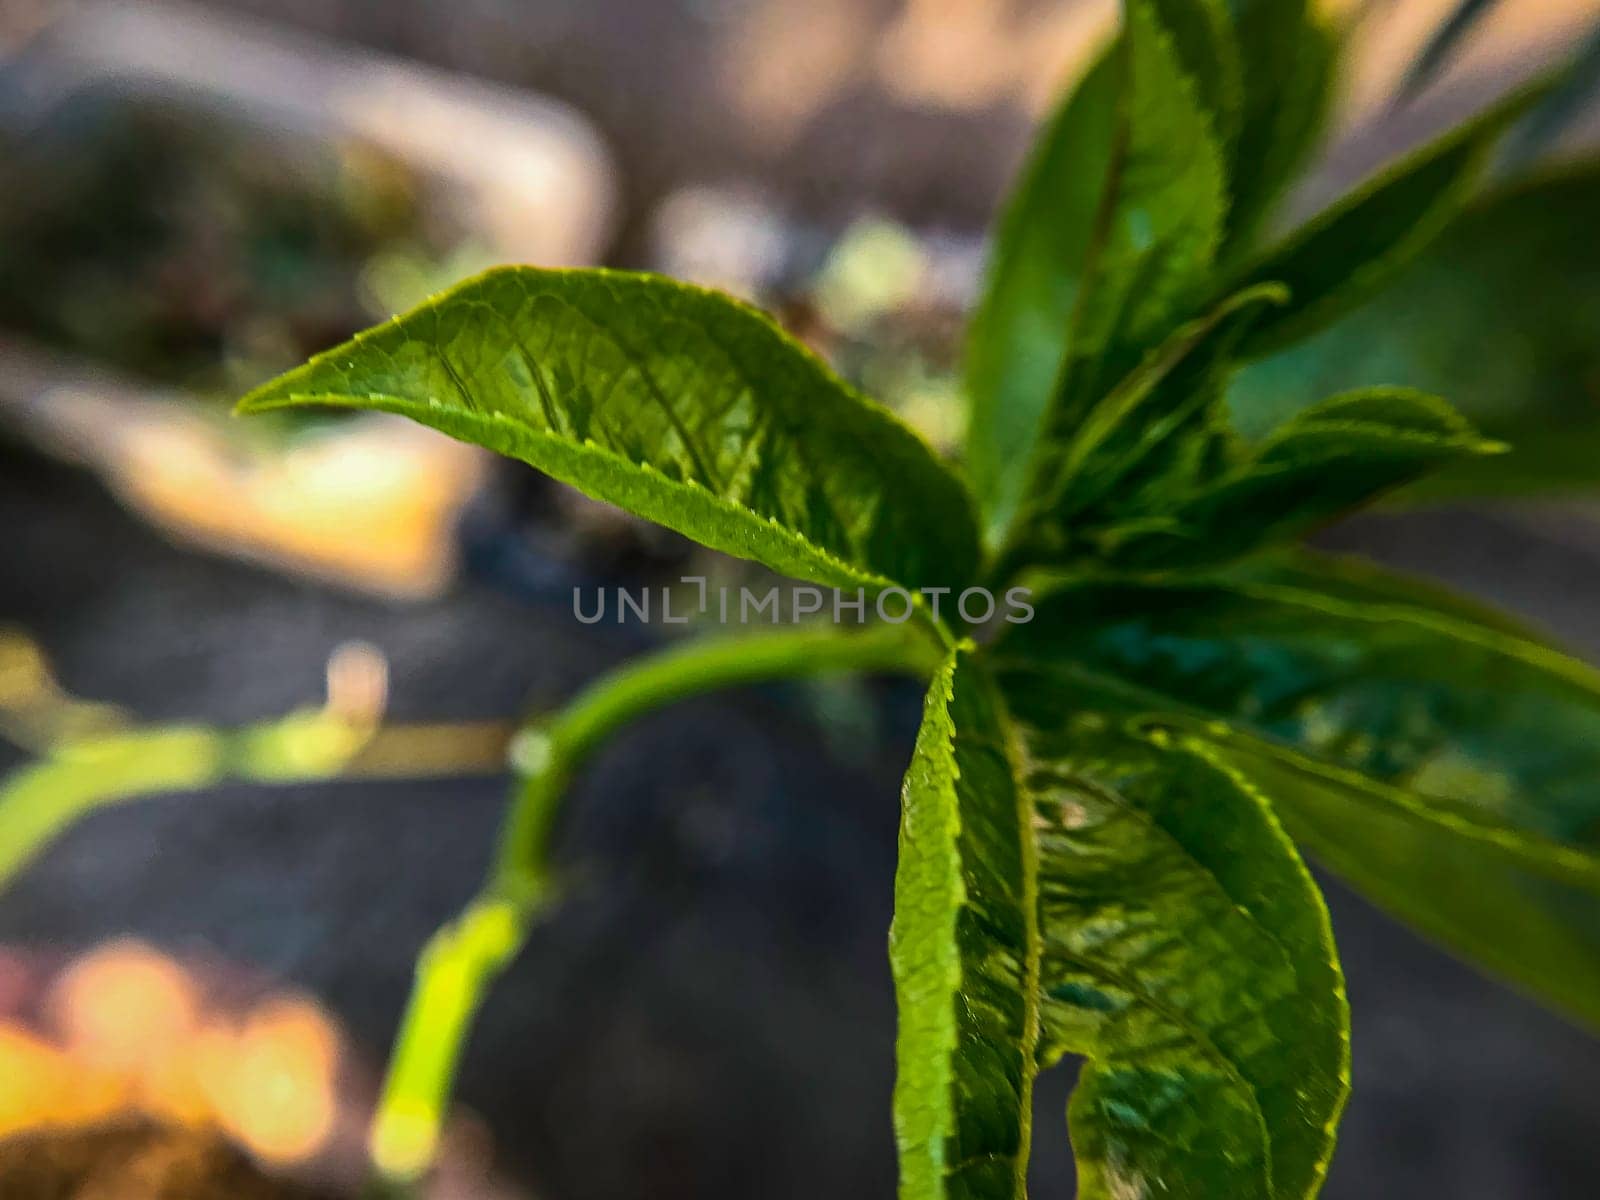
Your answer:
<point x="588" y="448"/>
<point x="1116" y="799"/>
<point x="1011" y="747"/>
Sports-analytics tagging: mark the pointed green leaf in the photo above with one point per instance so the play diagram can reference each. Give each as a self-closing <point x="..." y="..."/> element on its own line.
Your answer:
<point x="1290" y="71"/>
<point x="1500" y="316"/>
<point x="965" y="952"/>
<point x="1156" y="430"/>
<point x="1148" y="901"/>
<point x="676" y="403"/>
<point x="1106" y="241"/>
<point x="1017" y="339"/>
<point x="1334" y="457"/>
<point x="1159" y="222"/>
<point x="1440" y="758"/>
<point x="1343" y="257"/>
<point x="1330" y="459"/>
<point x="1207" y="47"/>
<point x="1187" y="955"/>
<point x="1521" y="906"/>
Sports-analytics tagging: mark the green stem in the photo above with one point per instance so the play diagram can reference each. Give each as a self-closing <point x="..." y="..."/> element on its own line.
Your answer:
<point x="547" y="753"/>
<point x="453" y="972"/>
<point x="41" y="800"/>
<point x="464" y="957"/>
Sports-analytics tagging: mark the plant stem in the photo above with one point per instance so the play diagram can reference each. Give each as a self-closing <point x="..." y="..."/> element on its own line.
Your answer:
<point x="460" y="961"/>
<point x="547" y="753"/>
<point x="79" y="776"/>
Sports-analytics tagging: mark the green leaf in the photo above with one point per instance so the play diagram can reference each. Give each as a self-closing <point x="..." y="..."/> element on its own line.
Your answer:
<point x="678" y="404"/>
<point x="1500" y="315"/>
<point x="1146" y="899"/>
<point x="1160" y="218"/>
<point x="1334" y="457"/>
<point x="1204" y="40"/>
<point x="1156" y="429"/>
<point x="1103" y="249"/>
<point x="1291" y="61"/>
<point x="1439" y="757"/>
<point x="1519" y="906"/>
<point x="1238" y="498"/>
<point x="1017" y="339"/>
<point x="1341" y="258"/>
<point x="1187" y="955"/>
<point x="965" y="952"/>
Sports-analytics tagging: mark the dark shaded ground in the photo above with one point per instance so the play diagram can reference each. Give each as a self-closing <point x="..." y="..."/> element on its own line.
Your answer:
<point x="710" y="1015"/>
<point x="133" y="1162"/>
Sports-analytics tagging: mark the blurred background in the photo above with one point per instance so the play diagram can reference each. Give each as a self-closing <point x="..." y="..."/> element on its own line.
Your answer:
<point x="194" y="197"/>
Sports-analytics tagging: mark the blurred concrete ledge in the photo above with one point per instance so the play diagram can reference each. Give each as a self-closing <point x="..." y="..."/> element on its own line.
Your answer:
<point x="529" y="173"/>
<point x="369" y="504"/>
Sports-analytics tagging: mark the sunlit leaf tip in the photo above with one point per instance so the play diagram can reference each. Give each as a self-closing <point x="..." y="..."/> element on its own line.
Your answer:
<point x="676" y="403"/>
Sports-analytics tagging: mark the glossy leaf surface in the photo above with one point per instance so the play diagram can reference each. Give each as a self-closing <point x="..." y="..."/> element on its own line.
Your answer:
<point x="965" y="952"/>
<point x="1104" y="248"/>
<point x="1439" y="757"/>
<point x="1187" y="955"/>
<point x="1017" y="339"/>
<point x="676" y="403"/>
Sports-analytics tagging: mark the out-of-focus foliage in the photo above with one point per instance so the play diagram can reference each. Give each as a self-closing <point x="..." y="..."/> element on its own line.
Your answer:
<point x="1075" y="294"/>
<point x="1500" y="315"/>
<point x="1342" y="256"/>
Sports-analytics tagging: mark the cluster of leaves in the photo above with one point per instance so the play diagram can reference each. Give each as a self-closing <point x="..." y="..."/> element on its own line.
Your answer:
<point x="1099" y="835"/>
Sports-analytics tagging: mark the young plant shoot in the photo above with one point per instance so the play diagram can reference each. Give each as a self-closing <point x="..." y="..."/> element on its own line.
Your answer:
<point x="1103" y="819"/>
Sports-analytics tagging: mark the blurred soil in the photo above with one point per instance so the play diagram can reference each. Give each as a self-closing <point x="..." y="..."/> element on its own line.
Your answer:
<point x="134" y="1162"/>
